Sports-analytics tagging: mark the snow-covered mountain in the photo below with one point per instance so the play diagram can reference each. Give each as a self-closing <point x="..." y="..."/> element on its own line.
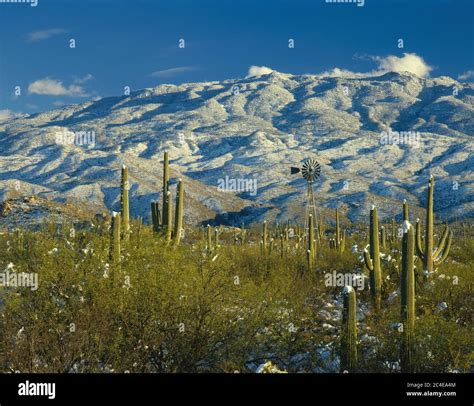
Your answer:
<point x="252" y="130"/>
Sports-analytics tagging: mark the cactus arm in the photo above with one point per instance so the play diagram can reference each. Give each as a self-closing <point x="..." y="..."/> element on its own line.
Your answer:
<point x="368" y="261"/>
<point x="442" y="243"/>
<point x="419" y="245"/>
<point x="446" y="250"/>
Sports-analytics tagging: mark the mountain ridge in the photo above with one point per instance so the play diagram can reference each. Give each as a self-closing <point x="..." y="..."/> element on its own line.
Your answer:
<point x="256" y="128"/>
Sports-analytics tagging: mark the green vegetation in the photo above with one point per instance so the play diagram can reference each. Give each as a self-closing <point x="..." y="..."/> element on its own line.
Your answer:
<point x="170" y="308"/>
<point x="156" y="299"/>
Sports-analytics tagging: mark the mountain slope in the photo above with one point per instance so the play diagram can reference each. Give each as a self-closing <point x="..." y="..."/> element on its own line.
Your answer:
<point x="255" y="129"/>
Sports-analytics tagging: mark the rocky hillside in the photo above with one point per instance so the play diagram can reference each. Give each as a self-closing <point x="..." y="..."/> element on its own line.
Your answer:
<point x="252" y="130"/>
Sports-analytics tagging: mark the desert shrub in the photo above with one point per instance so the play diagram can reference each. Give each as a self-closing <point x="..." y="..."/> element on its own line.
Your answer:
<point x="181" y="309"/>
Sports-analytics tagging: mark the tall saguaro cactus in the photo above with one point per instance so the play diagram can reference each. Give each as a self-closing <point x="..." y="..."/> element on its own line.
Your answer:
<point x="166" y="181"/>
<point x="405" y="211"/>
<point x="427" y="254"/>
<point x="178" y="219"/>
<point x="349" y="331"/>
<point x="155" y="216"/>
<point x="169" y="216"/>
<point x="407" y="291"/>
<point x="372" y="259"/>
<point x="124" y="203"/>
<point x="114" y="249"/>
<point x="264" y="238"/>
<point x="383" y="237"/>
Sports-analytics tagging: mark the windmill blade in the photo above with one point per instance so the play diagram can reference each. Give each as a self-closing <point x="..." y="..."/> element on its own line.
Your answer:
<point x="311" y="170"/>
<point x="295" y="170"/>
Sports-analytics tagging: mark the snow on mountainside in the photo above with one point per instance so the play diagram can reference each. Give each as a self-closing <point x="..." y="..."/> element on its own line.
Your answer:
<point x="255" y="129"/>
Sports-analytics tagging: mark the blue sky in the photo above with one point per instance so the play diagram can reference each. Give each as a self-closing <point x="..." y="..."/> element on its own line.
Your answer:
<point x="136" y="43"/>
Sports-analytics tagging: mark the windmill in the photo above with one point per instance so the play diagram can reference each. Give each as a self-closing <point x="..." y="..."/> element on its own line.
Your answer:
<point x="310" y="170"/>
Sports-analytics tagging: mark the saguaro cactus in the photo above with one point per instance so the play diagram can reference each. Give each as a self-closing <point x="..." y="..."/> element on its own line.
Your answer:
<point x="114" y="249"/>
<point x="124" y="203"/>
<point x="264" y="238"/>
<point x="340" y="237"/>
<point x="155" y="216"/>
<point x="405" y="211"/>
<point x="349" y="331"/>
<point x="166" y="182"/>
<point x="407" y="303"/>
<point x="372" y="259"/>
<point x="427" y="254"/>
<point x="169" y="216"/>
<point x="383" y="237"/>
<point x="178" y="220"/>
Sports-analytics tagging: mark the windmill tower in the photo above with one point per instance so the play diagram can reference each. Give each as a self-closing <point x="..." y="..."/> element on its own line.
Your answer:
<point x="310" y="171"/>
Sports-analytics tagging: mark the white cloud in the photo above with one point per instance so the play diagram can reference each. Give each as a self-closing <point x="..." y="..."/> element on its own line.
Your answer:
<point x="36" y="36"/>
<point x="407" y="63"/>
<point x="84" y="79"/>
<point x="166" y="73"/>
<point x="258" y="71"/>
<point x="53" y="87"/>
<point x="466" y="75"/>
<point x="342" y="73"/>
